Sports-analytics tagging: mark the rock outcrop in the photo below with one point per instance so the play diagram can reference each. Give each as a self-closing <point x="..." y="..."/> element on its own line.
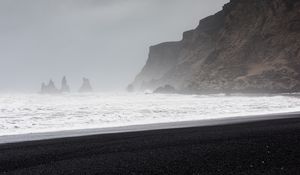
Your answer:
<point x="167" y="89"/>
<point x="249" y="46"/>
<point x="86" y="86"/>
<point x="49" y="89"/>
<point x="64" y="85"/>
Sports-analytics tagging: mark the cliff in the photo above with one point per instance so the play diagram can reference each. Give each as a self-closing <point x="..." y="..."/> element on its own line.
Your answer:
<point x="249" y="46"/>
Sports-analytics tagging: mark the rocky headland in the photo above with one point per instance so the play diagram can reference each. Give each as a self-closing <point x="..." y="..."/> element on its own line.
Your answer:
<point x="251" y="46"/>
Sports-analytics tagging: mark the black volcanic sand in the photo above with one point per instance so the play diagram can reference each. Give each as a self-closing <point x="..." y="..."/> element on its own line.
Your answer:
<point x="264" y="147"/>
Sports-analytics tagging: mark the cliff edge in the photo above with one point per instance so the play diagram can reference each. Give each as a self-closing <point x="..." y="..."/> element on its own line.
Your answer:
<point x="249" y="46"/>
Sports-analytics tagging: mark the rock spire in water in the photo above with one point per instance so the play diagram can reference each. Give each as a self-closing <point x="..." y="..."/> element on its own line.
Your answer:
<point x="49" y="89"/>
<point x="64" y="85"/>
<point x="86" y="86"/>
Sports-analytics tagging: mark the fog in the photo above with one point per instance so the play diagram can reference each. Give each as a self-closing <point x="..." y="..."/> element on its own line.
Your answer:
<point x="104" y="40"/>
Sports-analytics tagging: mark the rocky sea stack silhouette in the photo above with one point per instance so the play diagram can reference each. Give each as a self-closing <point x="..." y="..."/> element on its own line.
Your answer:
<point x="50" y="88"/>
<point x="86" y="86"/>
<point x="64" y="85"/>
<point x="251" y="46"/>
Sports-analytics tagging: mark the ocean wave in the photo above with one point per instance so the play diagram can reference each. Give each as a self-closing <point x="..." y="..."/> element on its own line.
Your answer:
<point x="34" y="113"/>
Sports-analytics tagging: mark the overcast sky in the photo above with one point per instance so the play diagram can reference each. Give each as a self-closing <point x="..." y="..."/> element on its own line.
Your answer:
<point x="104" y="40"/>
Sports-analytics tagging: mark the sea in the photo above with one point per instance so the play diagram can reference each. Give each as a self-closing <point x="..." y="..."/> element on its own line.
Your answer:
<point x="36" y="113"/>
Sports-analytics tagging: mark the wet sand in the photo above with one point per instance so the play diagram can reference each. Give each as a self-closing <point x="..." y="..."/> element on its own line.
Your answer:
<point x="268" y="146"/>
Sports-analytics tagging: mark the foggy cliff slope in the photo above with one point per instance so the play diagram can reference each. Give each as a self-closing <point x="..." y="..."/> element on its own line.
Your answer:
<point x="249" y="46"/>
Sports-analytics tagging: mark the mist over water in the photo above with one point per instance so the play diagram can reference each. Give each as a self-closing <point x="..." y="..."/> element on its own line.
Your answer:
<point x="105" y="41"/>
<point x="34" y="113"/>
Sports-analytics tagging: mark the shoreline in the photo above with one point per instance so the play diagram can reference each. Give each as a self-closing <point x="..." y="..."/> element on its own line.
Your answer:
<point x="269" y="147"/>
<point x="143" y="127"/>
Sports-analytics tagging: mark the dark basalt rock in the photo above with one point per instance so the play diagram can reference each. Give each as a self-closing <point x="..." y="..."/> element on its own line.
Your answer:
<point x="167" y="89"/>
<point x="49" y="89"/>
<point x="250" y="44"/>
<point x="86" y="86"/>
<point x="64" y="85"/>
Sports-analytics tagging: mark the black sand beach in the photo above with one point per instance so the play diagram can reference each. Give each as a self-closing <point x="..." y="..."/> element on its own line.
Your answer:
<point x="257" y="147"/>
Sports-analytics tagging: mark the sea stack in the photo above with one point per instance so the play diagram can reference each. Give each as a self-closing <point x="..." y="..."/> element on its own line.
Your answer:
<point x="49" y="89"/>
<point x="64" y="85"/>
<point x="86" y="86"/>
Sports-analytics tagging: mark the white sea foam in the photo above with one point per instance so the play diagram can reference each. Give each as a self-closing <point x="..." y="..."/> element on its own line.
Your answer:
<point x="34" y="113"/>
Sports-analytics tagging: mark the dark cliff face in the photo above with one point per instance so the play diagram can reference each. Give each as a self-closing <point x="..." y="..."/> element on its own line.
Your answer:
<point x="249" y="46"/>
<point x="162" y="58"/>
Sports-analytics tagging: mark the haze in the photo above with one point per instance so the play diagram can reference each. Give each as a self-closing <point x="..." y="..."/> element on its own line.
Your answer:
<point x="105" y="40"/>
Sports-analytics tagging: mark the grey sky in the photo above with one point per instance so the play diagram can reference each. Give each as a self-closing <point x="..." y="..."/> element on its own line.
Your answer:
<point x="104" y="40"/>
